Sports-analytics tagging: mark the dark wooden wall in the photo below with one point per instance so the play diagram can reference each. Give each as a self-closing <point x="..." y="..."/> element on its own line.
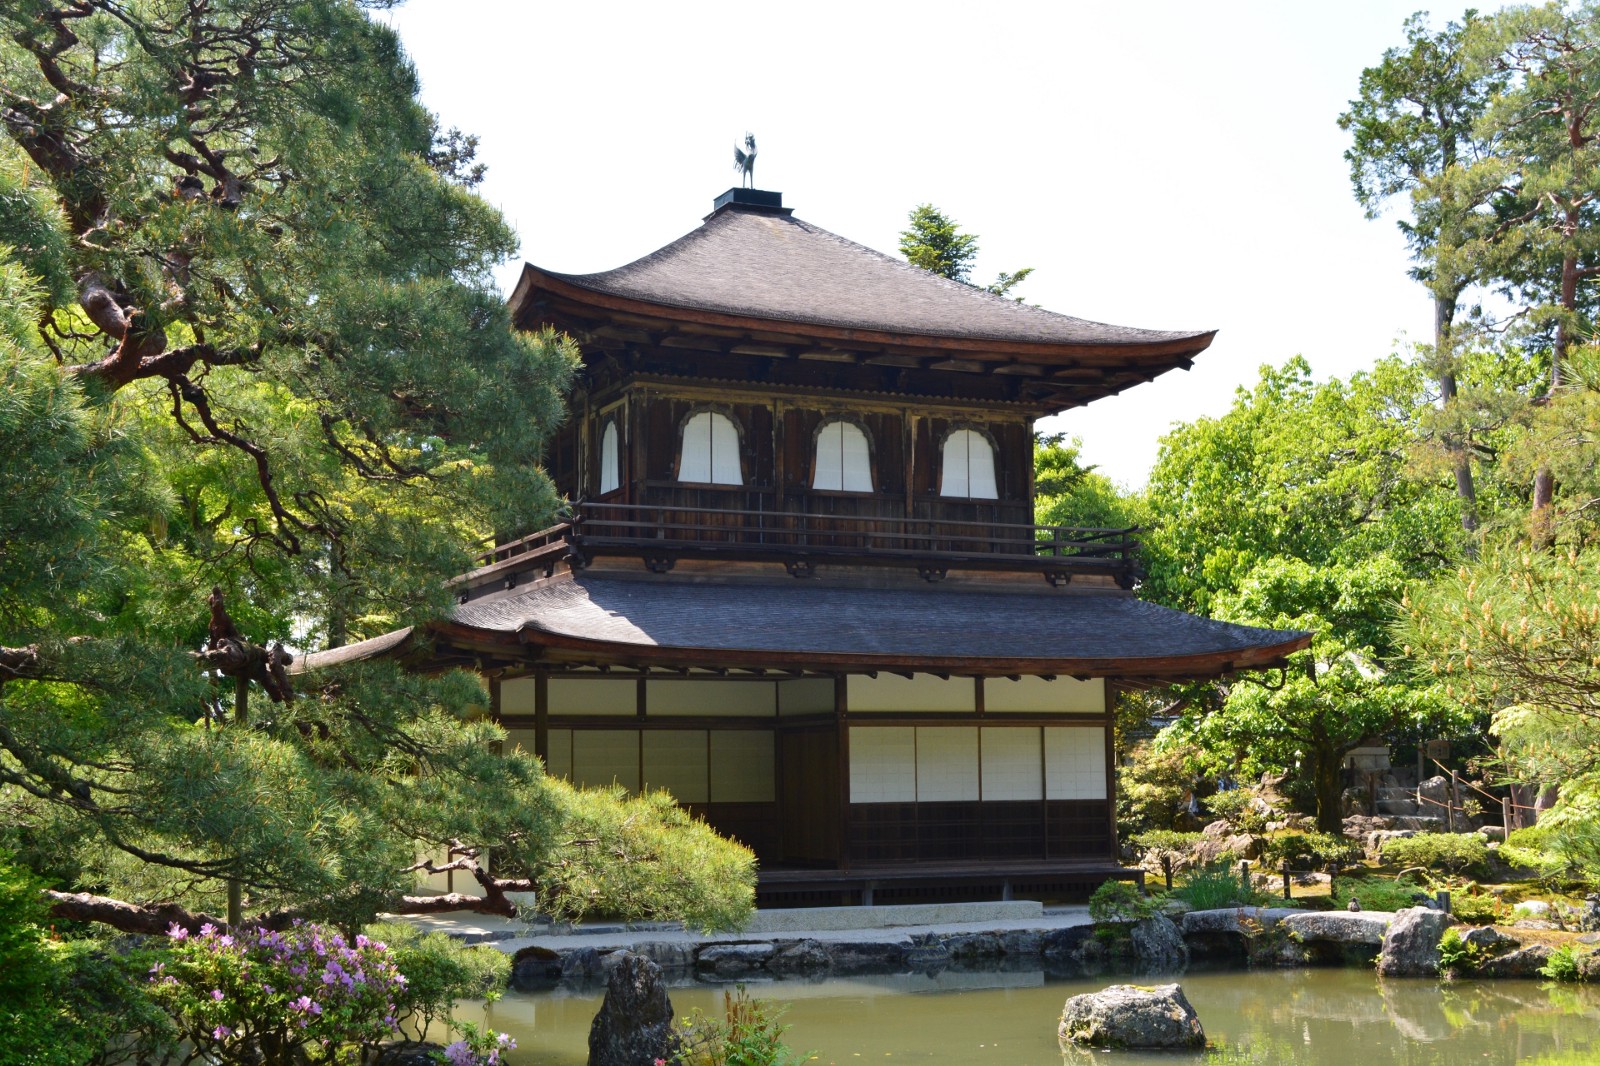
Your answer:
<point x="778" y="441"/>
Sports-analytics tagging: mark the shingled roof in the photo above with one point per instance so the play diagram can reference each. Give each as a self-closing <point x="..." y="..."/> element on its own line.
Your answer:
<point x="644" y="621"/>
<point x="771" y="265"/>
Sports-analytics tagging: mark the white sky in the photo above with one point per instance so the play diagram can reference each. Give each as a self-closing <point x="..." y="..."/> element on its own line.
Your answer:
<point x="1170" y="165"/>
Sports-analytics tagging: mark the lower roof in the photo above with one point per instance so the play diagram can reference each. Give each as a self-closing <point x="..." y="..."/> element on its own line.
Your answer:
<point x="656" y="620"/>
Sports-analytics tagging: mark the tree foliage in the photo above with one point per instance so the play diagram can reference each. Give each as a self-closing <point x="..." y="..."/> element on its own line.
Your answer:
<point x="934" y="241"/>
<point x="1295" y="511"/>
<point x="249" y="341"/>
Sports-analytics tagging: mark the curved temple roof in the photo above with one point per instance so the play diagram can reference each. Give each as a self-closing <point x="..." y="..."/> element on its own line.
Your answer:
<point x="643" y="621"/>
<point x="775" y="266"/>
<point x="753" y="271"/>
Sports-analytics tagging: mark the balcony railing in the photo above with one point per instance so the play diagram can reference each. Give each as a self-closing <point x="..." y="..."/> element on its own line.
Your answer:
<point x="663" y="534"/>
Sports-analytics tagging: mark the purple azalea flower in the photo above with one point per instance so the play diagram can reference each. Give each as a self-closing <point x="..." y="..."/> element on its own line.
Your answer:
<point x="221" y="1032"/>
<point x="216" y="994"/>
<point x="177" y="932"/>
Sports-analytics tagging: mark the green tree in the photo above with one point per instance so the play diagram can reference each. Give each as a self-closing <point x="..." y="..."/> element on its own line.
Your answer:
<point x="248" y="340"/>
<point x="1547" y="120"/>
<point x="1068" y="493"/>
<point x="1415" y="133"/>
<point x="934" y="241"/>
<point x="1296" y="510"/>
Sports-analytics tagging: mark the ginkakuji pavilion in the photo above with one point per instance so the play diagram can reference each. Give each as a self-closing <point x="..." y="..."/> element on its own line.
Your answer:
<point x="799" y="584"/>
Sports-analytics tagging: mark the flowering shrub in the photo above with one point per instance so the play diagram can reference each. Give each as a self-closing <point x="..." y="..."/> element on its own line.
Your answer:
<point x="305" y="995"/>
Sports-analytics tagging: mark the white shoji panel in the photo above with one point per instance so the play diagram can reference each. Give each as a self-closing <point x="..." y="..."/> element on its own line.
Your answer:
<point x="883" y="764"/>
<point x="1012" y="767"/>
<point x="677" y="762"/>
<point x="1074" y="762"/>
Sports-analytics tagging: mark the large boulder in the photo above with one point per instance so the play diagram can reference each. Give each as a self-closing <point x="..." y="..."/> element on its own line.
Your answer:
<point x="1523" y="962"/>
<point x="1339" y="927"/>
<point x="634" y="1026"/>
<point x="1130" y="1016"/>
<point x="1589" y="917"/>
<point x="1158" y="946"/>
<point x="1411" y="943"/>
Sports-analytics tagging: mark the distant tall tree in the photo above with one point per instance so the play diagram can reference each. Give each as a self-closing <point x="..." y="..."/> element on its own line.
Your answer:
<point x="1413" y="133"/>
<point x="934" y="241"/>
<point x="1548" y="119"/>
<point x="744" y="160"/>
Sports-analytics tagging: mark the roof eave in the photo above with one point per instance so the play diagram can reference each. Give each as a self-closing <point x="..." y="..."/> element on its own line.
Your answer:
<point x="1177" y="349"/>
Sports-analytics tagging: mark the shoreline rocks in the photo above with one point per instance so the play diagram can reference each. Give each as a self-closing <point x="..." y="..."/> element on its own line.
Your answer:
<point x="1404" y="944"/>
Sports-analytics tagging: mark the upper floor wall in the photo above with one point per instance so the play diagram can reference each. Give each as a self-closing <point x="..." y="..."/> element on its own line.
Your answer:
<point x="744" y="448"/>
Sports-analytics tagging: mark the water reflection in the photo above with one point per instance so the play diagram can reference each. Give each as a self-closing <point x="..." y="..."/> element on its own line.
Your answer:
<point x="1319" y="1017"/>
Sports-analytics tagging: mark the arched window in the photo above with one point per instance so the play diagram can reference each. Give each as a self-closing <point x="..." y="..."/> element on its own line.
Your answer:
<point x="610" y="473"/>
<point x="843" y="462"/>
<point x="710" y="451"/>
<point x="968" y="466"/>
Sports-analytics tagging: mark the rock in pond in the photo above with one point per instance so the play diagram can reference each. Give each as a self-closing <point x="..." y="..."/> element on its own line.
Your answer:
<point x="1132" y="1016"/>
<point x="1411" y="944"/>
<point x="1158" y="945"/>
<point x="634" y="1026"/>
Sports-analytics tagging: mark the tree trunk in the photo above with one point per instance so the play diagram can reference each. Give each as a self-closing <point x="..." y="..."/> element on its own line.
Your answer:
<point x="1325" y="772"/>
<point x="1444" y="312"/>
<point x="1541" y="523"/>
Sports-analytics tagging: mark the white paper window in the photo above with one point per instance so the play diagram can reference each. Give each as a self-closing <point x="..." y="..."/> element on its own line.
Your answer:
<point x="610" y="476"/>
<point x="710" y="451"/>
<point x="968" y="466"/>
<point x="1074" y="763"/>
<point x="843" y="462"/>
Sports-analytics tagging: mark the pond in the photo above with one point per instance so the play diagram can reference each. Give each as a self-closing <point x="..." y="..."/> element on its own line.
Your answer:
<point x="1314" y="1017"/>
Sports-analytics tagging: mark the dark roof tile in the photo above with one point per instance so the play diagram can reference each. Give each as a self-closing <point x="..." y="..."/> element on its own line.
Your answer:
<point x="776" y="267"/>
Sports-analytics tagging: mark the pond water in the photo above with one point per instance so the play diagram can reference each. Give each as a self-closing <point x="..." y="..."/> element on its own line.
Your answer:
<point x="1316" y="1017"/>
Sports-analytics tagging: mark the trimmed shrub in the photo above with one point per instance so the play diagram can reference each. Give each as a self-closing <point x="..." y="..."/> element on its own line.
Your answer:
<point x="1238" y="808"/>
<point x="1455" y="853"/>
<point x="1309" y="851"/>
<point x="1378" y="893"/>
<point x="1122" y="901"/>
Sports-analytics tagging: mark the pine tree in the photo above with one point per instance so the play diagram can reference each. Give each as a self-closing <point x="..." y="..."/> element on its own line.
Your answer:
<point x="249" y="347"/>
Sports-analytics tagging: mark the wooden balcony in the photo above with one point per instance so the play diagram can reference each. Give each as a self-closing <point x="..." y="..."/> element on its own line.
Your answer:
<point x="661" y="535"/>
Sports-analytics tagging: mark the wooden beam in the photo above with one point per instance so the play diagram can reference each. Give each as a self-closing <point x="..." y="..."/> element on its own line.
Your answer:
<point x="841" y="717"/>
<point x="541" y="715"/>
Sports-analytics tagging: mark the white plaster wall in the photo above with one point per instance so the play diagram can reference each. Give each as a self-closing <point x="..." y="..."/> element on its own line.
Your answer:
<point x="1074" y="762"/>
<point x="883" y="764"/>
<point x="598" y="695"/>
<point x="560" y="762"/>
<point x="807" y="695"/>
<point x="691" y="697"/>
<point x="1013" y="767"/>
<point x="947" y="764"/>
<point x="743" y="766"/>
<point x="1035" y="694"/>
<point x="678" y="762"/>
<point x="600" y="756"/>
<point x="920" y="692"/>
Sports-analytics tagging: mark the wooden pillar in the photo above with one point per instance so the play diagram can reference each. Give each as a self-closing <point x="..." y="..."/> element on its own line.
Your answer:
<point x="1113" y="691"/>
<point x="841" y="708"/>
<point x="541" y="715"/>
<point x="911" y="463"/>
<point x="498" y="746"/>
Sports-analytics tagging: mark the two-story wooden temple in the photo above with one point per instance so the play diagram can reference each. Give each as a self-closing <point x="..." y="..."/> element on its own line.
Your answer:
<point x="801" y="586"/>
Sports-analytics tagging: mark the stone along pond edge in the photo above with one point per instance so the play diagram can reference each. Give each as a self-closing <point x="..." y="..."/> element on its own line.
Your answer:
<point x="1404" y="943"/>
